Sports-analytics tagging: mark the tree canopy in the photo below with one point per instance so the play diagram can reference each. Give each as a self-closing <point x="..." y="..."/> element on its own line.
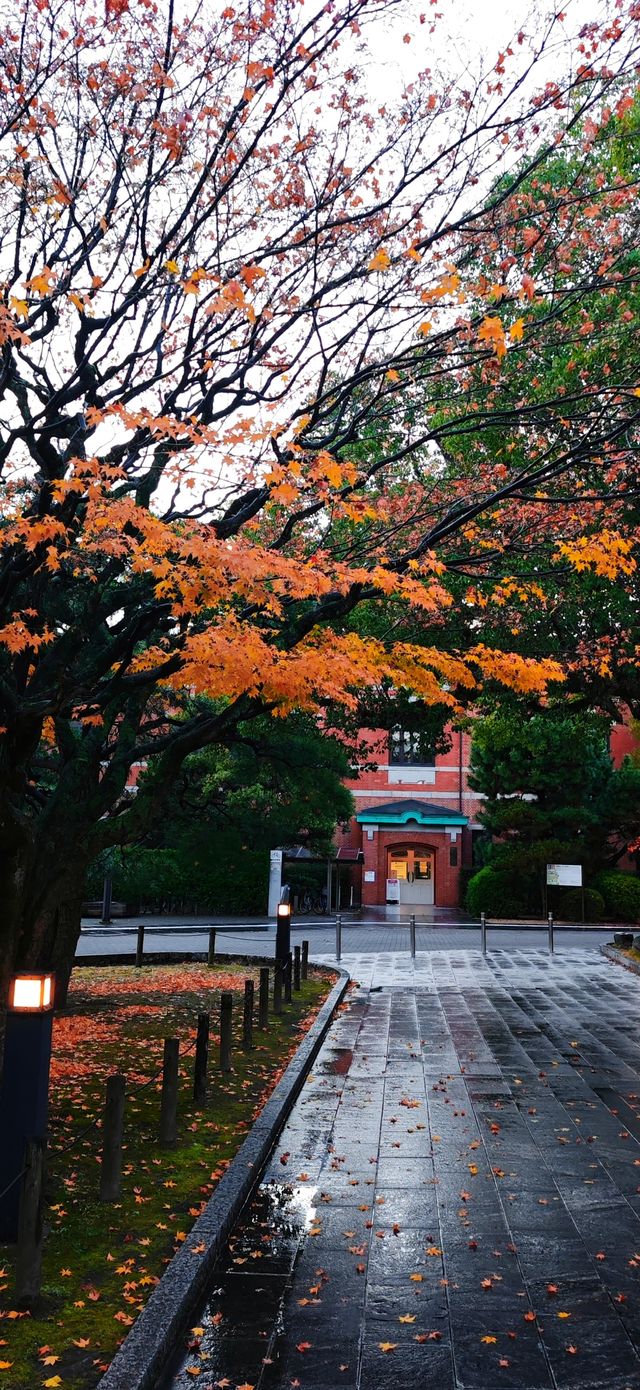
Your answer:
<point x="551" y="794"/>
<point x="225" y="262"/>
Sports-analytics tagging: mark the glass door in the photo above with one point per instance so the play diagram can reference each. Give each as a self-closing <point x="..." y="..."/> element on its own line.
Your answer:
<point x="413" y="869"/>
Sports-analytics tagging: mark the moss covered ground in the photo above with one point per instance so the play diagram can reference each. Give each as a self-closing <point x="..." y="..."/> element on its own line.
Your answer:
<point x="101" y="1261"/>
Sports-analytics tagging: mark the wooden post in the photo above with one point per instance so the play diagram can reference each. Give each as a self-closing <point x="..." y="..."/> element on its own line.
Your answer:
<point x="29" y="1252"/>
<point x="305" y="959"/>
<point x="247" y="1019"/>
<point x="211" y="954"/>
<point x="226" y="1011"/>
<point x="201" y="1059"/>
<point x="169" y="1100"/>
<point x="140" y="943"/>
<point x="277" y="987"/>
<point x="263" y="998"/>
<point x="286" y="979"/>
<point x="112" y="1127"/>
<point x="296" y="967"/>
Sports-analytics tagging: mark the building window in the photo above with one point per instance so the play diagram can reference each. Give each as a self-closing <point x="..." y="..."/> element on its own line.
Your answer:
<point x="410" y="748"/>
<point x="453" y="856"/>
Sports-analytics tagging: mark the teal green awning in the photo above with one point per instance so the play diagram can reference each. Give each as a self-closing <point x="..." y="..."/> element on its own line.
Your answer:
<point x="406" y="812"/>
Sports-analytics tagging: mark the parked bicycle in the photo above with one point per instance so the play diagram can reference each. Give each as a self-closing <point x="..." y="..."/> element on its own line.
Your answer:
<point x="312" y="901"/>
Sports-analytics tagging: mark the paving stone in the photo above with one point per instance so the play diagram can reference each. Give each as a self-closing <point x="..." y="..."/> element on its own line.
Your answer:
<point x="524" y="1072"/>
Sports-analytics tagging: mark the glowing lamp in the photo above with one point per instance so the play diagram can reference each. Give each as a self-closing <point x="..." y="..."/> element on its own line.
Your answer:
<point x="31" y="994"/>
<point x="24" y="1086"/>
<point x="283" y="931"/>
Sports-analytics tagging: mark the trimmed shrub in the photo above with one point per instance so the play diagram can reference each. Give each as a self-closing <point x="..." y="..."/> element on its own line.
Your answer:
<point x="621" y="893"/>
<point x="495" y="892"/>
<point x="163" y="880"/>
<point x="571" y="905"/>
<point x="467" y="872"/>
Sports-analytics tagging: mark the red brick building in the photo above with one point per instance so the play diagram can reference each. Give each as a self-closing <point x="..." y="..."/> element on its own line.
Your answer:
<point x="414" y="822"/>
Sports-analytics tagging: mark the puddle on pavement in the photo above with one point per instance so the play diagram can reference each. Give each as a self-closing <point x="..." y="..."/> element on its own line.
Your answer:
<point x="233" y="1331"/>
<point x="340" y="1062"/>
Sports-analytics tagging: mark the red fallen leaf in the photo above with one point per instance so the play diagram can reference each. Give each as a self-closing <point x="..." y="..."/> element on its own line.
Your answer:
<point x="284" y="1158"/>
<point x="428" y="1337"/>
<point x="360" y="1269"/>
<point x="473" y="1245"/>
<point x="530" y="1316"/>
<point x="573" y="1351"/>
<point x="465" y="1196"/>
<point x="304" y="1346"/>
<point x="552" y="1289"/>
<point x="601" y="1255"/>
<point x="504" y="1361"/>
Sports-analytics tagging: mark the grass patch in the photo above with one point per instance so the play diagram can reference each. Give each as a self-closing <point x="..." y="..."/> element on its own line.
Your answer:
<point x="102" y="1261"/>
<point x="630" y="954"/>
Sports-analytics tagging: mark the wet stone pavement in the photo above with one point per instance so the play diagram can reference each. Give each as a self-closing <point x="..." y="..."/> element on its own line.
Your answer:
<point x="455" y="1201"/>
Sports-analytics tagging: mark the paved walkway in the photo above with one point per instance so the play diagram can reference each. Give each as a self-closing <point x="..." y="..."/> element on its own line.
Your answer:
<point x="455" y="1201"/>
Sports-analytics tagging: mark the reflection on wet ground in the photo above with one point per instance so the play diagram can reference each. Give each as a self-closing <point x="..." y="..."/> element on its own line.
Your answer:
<point x="455" y="1199"/>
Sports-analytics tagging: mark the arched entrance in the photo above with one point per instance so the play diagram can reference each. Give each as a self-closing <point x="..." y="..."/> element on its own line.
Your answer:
<point x="413" y="868"/>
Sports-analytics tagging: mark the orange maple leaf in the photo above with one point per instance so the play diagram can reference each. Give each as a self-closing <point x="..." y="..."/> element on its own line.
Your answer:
<point x="381" y="260"/>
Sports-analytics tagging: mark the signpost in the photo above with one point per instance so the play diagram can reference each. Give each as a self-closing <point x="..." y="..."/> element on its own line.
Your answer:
<point x="565" y="876"/>
<point x="275" y="881"/>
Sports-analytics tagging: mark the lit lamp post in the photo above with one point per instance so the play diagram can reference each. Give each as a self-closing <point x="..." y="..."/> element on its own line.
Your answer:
<point x="25" y="1085"/>
<point x="283" y="931"/>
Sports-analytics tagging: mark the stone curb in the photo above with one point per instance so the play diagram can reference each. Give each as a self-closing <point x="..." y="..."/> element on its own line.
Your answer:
<point x="141" y="1360"/>
<point x="612" y="953"/>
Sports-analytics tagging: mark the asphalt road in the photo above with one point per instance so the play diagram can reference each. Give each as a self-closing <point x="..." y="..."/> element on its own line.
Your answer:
<point x="254" y="940"/>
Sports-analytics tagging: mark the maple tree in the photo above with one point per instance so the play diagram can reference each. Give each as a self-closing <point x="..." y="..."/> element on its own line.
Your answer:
<point x="224" y="262"/>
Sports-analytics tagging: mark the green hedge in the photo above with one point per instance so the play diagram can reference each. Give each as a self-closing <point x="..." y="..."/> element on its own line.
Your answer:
<point x="495" y="892"/>
<point x="162" y="880"/>
<point x="621" y="893"/>
<point x="571" y="905"/>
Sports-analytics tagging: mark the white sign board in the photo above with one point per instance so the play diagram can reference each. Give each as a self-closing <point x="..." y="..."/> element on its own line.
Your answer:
<point x="393" y="890"/>
<point x="369" y="875"/>
<point x="564" y="875"/>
